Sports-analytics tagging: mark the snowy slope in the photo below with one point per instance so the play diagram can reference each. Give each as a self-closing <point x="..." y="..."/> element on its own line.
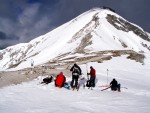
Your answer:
<point x="31" y="97"/>
<point x="95" y="34"/>
<point x="91" y="31"/>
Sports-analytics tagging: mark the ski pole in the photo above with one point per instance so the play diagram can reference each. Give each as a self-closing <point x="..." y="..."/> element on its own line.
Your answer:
<point x="87" y="71"/>
<point x="107" y="76"/>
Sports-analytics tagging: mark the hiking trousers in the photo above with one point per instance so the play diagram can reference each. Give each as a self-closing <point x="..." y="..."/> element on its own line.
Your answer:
<point x="74" y="82"/>
<point x="92" y="81"/>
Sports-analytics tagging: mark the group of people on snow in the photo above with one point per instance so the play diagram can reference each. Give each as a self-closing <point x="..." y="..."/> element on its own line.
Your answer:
<point x="60" y="80"/>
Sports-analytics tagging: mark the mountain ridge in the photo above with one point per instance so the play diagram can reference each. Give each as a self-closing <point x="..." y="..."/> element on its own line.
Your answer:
<point x="93" y="31"/>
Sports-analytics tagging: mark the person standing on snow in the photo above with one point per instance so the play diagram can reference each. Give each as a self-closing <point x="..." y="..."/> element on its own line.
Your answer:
<point x="76" y="72"/>
<point x="92" y="77"/>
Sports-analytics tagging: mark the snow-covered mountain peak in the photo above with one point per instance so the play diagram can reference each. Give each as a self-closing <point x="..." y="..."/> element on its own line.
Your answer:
<point x="93" y="33"/>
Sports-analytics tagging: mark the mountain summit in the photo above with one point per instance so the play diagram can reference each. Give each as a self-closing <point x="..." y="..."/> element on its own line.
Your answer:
<point x="96" y="35"/>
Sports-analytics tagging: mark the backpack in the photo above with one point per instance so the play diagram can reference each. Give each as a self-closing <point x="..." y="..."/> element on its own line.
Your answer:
<point x="76" y="71"/>
<point x="88" y="83"/>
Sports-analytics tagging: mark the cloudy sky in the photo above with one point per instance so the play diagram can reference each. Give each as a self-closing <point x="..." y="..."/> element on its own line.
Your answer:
<point x="24" y="20"/>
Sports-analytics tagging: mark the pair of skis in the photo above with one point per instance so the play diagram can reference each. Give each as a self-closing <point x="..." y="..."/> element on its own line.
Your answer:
<point x="76" y="88"/>
<point x="110" y="87"/>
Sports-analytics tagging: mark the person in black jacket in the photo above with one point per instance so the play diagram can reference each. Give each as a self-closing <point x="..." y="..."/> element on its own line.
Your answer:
<point x="76" y="72"/>
<point x="114" y="85"/>
<point x="47" y="80"/>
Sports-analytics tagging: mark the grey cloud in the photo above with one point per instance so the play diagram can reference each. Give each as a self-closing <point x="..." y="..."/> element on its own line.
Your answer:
<point x="135" y="11"/>
<point x="11" y="8"/>
<point x="30" y="23"/>
<point x="4" y="36"/>
<point x="6" y="43"/>
<point x="7" y="40"/>
<point x="29" y="15"/>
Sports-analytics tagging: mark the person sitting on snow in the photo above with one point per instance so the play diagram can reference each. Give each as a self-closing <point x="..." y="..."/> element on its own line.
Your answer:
<point x="114" y="85"/>
<point x="60" y="80"/>
<point x="47" y="80"/>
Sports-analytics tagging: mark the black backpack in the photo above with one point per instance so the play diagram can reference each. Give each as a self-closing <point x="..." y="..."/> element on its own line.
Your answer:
<point x="88" y="83"/>
<point x="76" y="71"/>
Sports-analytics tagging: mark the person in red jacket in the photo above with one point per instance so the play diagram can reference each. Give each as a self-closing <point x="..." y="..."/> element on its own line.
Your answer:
<point x="60" y="80"/>
<point x="92" y="77"/>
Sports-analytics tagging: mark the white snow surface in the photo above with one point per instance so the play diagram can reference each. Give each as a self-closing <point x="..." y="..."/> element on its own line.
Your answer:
<point x="31" y="97"/>
<point x="68" y="37"/>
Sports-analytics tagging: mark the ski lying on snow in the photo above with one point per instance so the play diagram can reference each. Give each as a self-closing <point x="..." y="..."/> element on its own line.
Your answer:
<point x="105" y="88"/>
